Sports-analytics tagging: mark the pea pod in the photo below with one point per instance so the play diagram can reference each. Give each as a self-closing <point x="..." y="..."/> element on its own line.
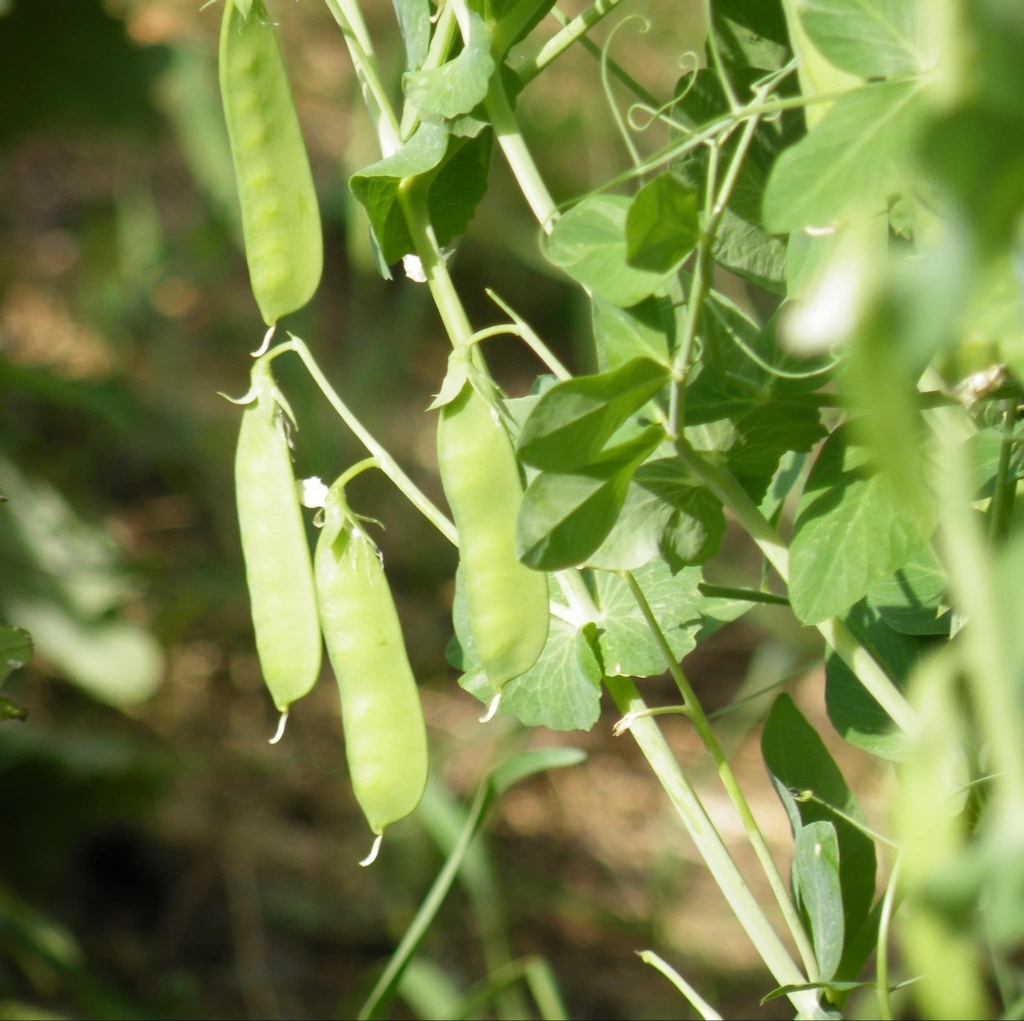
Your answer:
<point x="280" y="215"/>
<point x="278" y="566"/>
<point x="385" y="736"/>
<point x="507" y="601"/>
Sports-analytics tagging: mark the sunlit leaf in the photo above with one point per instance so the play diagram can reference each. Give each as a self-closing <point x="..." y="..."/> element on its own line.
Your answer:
<point x="850" y="533"/>
<point x="565" y="516"/>
<point x="573" y="420"/>
<point x="456" y="87"/>
<point x="867" y="38"/>
<point x="589" y="243"/>
<point x="628" y="649"/>
<point x="850" y="165"/>
<point x="662" y="225"/>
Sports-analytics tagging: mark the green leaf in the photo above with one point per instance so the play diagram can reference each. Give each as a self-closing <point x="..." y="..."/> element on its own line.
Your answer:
<point x="742" y="247"/>
<point x="589" y="243"/>
<point x="573" y="420"/>
<point x="458" y="167"/>
<point x="852" y="710"/>
<point x="15" y="650"/>
<point x="664" y="515"/>
<point x="626" y="644"/>
<point x="751" y="34"/>
<point x="566" y="516"/>
<point x="561" y="691"/>
<point x="457" y="86"/>
<point x="662" y="225"/>
<point x="376" y="187"/>
<point x="414" y="24"/>
<point x="850" y="532"/>
<point x="912" y="599"/>
<point x="817" y="890"/>
<point x="850" y="164"/>
<point x="526" y="764"/>
<point x="867" y="38"/>
<point x="812" y="789"/>
<point x="646" y="330"/>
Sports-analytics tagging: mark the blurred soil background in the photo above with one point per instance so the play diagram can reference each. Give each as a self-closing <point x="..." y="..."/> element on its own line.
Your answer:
<point x="158" y="858"/>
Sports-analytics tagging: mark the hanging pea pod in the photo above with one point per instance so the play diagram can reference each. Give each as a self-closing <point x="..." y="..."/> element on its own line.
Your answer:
<point x="507" y="601"/>
<point x="278" y="566"/>
<point x="280" y="215"/>
<point x="385" y="736"/>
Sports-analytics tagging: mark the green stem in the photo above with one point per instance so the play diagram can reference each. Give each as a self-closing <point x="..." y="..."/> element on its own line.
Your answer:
<point x="709" y="844"/>
<point x="412" y="197"/>
<point x="882" y="956"/>
<point x="716" y="58"/>
<point x="562" y="40"/>
<point x="747" y="595"/>
<point x="973" y="578"/>
<point x="699" y="1004"/>
<point x="518" y="156"/>
<point x="834" y="631"/>
<point x="1005" y="487"/>
<point x="710" y="741"/>
<point x="387" y="464"/>
<point x="349" y="17"/>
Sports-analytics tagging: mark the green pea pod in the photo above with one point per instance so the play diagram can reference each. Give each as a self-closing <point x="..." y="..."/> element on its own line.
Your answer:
<point x="280" y="215"/>
<point x="385" y="736"/>
<point x="507" y="601"/>
<point x="278" y="566"/>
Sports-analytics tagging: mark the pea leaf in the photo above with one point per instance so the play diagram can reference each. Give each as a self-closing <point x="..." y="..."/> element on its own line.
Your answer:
<point x="852" y="710"/>
<point x="817" y="890"/>
<point x="459" y="179"/>
<point x="812" y="790"/>
<point x="565" y="516"/>
<point x="751" y="35"/>
<point x="912" y="599"/>
<point x="850" y="165"/>
<point x="867" y="38"/>
<point x="460" y="84"/>
<point x="664" y="515"/>
<point x="414" y="24"/>
<point x="646" y="330"/>
<point x="573" y="420"/>
<point x="627" y="647"/>
<point x="850" y="532"/>
<point x="589" y="243"/>
<point x="561" y="691"/>
<point x="662" y="226"/>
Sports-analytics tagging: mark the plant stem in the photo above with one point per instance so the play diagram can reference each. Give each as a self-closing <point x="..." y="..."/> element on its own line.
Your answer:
<point x="387" y="464"/>
<point x="412" y="197"/>
<point x="562" y="40"/>
<point x="699" y="1004"/>
<point x="349" y="17"/>
<point x="708" y="738"/>
<point x="709" y="843"/>
<point x="1005" y="487"/>
<point x="748" y="595"/>
<point x="518" y="156"/>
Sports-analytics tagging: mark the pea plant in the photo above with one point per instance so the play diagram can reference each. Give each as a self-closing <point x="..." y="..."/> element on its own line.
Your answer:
<point x="850" y="172"/>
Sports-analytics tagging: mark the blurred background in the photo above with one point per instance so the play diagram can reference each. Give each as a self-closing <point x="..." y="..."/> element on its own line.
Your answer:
<point x="157" y="857"/>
